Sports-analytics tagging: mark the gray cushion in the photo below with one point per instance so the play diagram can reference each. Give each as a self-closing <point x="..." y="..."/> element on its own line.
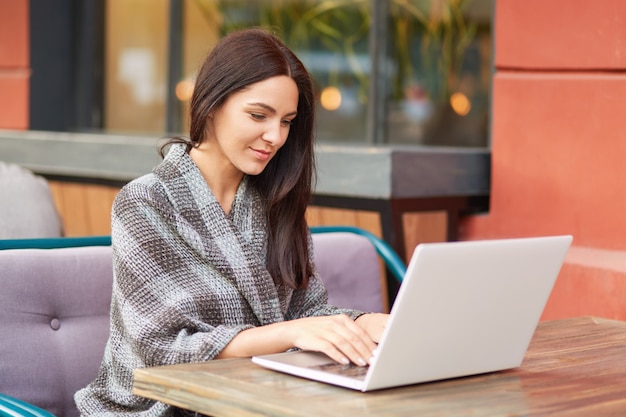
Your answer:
<point x="27" y="209"/>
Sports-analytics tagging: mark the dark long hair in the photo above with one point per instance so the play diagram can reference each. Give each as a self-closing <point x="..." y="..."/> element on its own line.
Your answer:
<point x="240" y="59"/>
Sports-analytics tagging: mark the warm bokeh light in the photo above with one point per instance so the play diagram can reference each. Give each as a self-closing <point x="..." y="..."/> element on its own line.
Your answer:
<point x="331" y="98"/>
<point x="184" y="90"/>
<point x="460" y="104"/>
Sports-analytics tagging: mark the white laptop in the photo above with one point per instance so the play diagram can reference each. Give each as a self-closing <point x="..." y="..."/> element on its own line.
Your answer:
<point x="463" y="308"/>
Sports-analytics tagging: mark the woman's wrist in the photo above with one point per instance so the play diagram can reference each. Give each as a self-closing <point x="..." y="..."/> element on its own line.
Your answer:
<point x="260" y="340"/>
<point x="373" y="324"/>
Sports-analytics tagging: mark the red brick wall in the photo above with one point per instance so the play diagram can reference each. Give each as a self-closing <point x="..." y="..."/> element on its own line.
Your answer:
<point x="559" y="143"/>
<point x="14" y="64"/>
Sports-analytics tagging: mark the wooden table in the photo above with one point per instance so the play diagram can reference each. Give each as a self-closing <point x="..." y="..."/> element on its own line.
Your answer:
<point x="574" y="367"/>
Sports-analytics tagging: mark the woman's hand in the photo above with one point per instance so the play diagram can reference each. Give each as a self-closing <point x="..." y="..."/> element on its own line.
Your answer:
<point x="373" y="324"/>
<point x="337" y="336"/>
<point x="341" y="338"/>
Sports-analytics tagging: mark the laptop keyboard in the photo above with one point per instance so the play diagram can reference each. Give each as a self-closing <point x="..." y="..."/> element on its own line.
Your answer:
<point x="350" y="370"/>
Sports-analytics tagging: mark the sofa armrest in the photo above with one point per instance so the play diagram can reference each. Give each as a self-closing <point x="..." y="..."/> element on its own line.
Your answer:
<point x="12" y="407"/>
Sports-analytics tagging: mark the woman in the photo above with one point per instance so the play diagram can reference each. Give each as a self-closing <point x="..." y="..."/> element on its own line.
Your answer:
<point x="211" y="251"/>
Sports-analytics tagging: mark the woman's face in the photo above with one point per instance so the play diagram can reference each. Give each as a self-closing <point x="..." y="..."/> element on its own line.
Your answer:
<point x="253" y="124"/>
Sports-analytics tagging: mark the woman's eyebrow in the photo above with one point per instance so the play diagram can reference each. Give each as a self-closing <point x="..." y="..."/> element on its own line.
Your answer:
<point x="270" y="108"/>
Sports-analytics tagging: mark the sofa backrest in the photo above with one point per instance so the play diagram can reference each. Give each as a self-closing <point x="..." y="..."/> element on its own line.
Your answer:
<point x="351" y="270"/>
<point x="54" y="322"/>
<point x="54" y="312"/>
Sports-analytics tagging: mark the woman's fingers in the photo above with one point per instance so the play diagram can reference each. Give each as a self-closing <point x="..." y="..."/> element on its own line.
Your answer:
<point x="336" y="336"/>
<point x="355" y="343"/>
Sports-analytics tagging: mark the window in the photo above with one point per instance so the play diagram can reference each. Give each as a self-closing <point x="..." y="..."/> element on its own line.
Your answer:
<point x="440" y="72"/>
<point x="136" y="57"/>
<point x="414" y="72"/>
<point x="330" y="37"/>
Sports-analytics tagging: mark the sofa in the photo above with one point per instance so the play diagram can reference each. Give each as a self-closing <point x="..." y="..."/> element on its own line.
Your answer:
<point x="54" y="310"/>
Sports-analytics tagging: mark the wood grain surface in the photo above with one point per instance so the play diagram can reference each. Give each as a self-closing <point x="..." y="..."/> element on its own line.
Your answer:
<point x="573" y="367"/>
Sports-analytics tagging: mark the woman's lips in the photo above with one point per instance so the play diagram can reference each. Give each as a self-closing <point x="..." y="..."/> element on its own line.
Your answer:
<point x="262" y="155"/>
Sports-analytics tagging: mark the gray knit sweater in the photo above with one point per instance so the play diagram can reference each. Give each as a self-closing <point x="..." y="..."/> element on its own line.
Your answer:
<point x="187" y="279"/>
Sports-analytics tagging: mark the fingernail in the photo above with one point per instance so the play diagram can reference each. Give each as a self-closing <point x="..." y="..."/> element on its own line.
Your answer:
<point x="345" y="361"/>
<point x="361" y="361"/>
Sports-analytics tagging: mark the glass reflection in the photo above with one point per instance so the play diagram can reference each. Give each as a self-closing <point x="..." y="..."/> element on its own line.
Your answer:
<point x="437" y="73"/>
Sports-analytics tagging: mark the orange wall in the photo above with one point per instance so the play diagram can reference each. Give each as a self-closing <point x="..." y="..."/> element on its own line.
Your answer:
<point x="14" y="64"/>
<point x="559" y="143"/>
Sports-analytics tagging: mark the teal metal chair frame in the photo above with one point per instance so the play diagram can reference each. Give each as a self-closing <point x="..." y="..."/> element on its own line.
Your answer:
<point x="55" y="242"/>
<point x="393" y="262"/>
<point x="12" y="407"/>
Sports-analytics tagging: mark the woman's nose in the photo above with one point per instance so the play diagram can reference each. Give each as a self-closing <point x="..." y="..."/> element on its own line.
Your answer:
<point x="273" y="134"/>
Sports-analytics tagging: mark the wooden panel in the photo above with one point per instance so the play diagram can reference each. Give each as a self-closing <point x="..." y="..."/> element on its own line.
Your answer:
<point x="324" y="216"/>
<point x="99" y="202"/>
<point x="84" y="208"/>
<point x="560" y="34"/>
<point x="423" y="227"/>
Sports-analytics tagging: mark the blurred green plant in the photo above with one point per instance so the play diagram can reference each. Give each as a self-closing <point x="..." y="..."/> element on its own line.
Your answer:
<point x="445" y="36"/>
<point x="341" y="27"/>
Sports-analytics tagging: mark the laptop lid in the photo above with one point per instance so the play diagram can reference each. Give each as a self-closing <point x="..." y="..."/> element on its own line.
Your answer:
<point x="463" y="308"/>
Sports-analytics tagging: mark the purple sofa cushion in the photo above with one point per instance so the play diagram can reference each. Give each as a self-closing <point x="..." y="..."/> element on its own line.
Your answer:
<point x="351" y="270"/>
<point x="54" y="322"/>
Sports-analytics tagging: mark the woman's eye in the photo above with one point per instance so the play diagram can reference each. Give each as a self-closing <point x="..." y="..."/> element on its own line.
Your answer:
<point x="257" y="116"/>
<point x="286" y="122"/>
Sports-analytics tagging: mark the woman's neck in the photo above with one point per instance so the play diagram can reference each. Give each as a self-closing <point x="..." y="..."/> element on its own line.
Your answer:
<point x="222" y="178"/>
